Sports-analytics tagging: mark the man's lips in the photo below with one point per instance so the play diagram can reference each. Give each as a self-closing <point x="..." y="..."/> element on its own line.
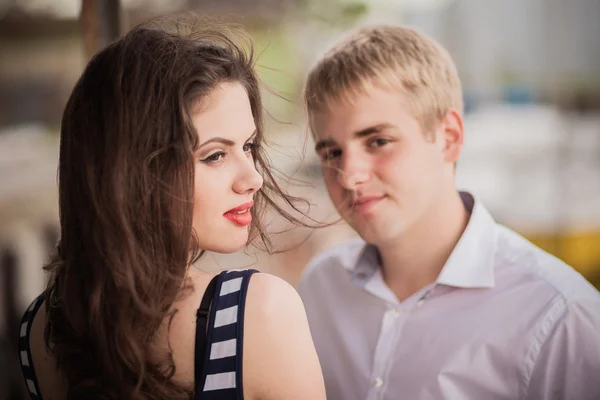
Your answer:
<point x="365" y="203"/>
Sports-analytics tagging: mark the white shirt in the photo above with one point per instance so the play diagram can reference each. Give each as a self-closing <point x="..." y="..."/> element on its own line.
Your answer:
<point x="504" y="320"/>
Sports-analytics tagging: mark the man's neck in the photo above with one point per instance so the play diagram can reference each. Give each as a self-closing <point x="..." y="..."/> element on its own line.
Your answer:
<point x="416" y="259"/>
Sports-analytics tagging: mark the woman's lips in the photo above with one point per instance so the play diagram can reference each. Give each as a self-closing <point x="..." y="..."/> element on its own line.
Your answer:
<point x="240" y="215"/>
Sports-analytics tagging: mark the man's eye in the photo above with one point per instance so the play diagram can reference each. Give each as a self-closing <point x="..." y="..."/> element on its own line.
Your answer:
<point x="379" y="142"/>
<point x="215" y="157"/>
<point x="331" y="154"/>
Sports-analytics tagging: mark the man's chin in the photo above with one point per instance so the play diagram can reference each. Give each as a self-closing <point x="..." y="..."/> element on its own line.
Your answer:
<point x="369" y="234"/>
<point x="377" y="233"/>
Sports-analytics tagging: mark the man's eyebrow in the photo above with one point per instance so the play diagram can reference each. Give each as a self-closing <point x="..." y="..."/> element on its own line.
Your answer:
<point x="321" y="144"/>
<point x="372" y="130"/>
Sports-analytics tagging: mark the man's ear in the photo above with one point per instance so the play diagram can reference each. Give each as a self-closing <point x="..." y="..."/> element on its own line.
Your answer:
<point x="451" y="135"/>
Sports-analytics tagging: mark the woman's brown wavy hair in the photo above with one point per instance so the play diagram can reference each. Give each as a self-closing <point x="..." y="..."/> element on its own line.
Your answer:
<point x="126" y="179"/>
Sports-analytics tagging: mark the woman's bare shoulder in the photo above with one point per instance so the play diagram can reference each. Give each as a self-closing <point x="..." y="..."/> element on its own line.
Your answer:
<point x="279" y="359"/>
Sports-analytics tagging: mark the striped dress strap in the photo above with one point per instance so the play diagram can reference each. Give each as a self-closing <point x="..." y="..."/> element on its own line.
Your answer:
<point x="221" y="376"/>
<point x="25" y="351"/>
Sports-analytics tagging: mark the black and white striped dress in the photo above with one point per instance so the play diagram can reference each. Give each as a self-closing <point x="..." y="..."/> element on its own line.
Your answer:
<point x="219" y="347"/>
<point x="24" y="352"/>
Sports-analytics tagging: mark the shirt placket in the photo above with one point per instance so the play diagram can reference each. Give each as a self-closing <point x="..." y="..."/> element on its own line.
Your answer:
<point x="392" y="323"/>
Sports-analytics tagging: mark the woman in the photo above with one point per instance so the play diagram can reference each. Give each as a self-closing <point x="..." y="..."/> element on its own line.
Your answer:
<point x="160" y="160"/>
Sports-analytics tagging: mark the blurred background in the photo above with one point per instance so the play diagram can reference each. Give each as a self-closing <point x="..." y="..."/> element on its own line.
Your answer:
<point x="531" y="76"/>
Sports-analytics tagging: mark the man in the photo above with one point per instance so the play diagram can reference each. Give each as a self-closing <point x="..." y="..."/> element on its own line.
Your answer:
<point x="435" y="300"/>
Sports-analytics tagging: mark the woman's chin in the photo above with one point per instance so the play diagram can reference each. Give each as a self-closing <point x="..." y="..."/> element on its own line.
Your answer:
<point x="228" y="248"/>
<point x="223" y="242"/>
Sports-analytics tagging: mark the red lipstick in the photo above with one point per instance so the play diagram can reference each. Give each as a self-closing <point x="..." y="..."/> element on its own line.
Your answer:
<point x="240" y="215"/>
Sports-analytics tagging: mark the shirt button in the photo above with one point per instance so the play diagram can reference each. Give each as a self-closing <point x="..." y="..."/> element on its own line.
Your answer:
<point x="394" y="313"/>
<point x="377" y="382"/>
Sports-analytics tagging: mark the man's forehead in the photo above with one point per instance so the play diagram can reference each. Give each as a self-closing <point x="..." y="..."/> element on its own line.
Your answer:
<point x="327" y="124"/>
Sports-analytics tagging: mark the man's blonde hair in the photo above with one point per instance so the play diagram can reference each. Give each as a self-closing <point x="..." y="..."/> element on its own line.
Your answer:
<point x="389" y="57"/>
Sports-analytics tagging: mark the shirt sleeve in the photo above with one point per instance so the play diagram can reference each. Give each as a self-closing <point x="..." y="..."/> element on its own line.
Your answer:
<point x="568" y="364"/>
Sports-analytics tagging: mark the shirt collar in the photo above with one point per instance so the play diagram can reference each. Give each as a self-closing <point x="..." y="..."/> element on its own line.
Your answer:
<point x="367" y="263"/>
<point x="471" y="263"/>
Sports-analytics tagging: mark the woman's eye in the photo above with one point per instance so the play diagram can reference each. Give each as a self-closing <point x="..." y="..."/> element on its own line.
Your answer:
<point x="251" y="147"/>
<point x="215" y="157"/>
